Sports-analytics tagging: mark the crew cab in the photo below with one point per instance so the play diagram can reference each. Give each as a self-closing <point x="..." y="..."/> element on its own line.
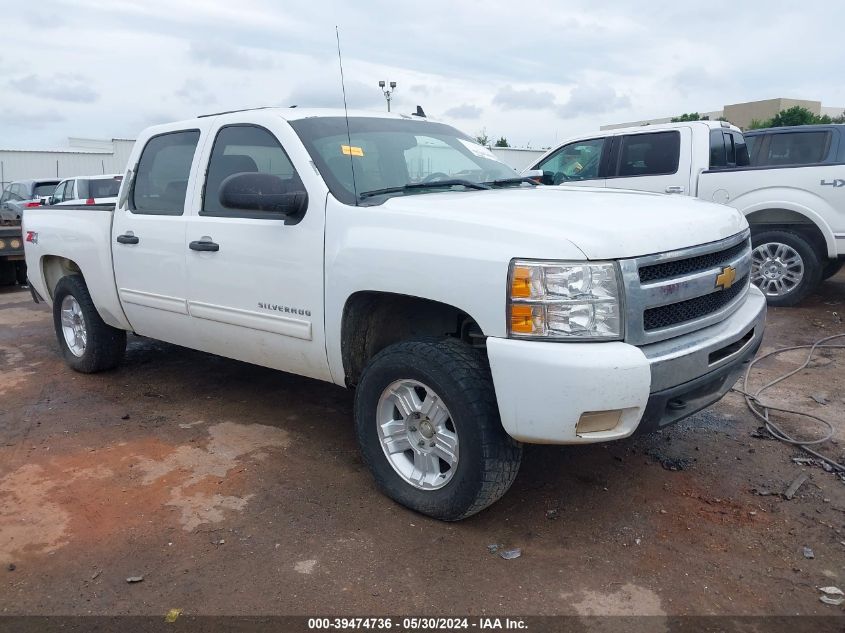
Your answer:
<point x="787" y="188"/>
<point x="471" y="311"/>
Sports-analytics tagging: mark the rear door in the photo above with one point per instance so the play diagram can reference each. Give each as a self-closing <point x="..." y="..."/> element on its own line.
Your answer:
<point x="149" y="238"/>
<point x="652" y="161"/>
<point x="255" y="279"/>
<point x="579" y="163"/>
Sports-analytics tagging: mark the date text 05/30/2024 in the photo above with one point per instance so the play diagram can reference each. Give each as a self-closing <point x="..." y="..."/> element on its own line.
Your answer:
<point x="416" y="624"/>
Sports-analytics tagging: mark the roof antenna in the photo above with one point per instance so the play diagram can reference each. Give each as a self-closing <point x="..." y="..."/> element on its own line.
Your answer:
<point x="420" y="112"/>
<point x="346" y="115"/>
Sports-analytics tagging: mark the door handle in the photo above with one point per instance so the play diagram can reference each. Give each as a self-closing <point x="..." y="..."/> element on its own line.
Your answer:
<point x="674" y="189"/>
<point x="204" y="245"/>
<point x="127" y="238"/>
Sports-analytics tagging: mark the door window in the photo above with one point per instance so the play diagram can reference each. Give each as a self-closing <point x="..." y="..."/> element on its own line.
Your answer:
<point x="162" y="181"/>
<point x="796" y="148"/>
<point x="59" y="194"/>
<point x="246" y="149"/>
<point x="575" y="161"/>
<point x="651" y="154"/>
<point x="6" y="194"/>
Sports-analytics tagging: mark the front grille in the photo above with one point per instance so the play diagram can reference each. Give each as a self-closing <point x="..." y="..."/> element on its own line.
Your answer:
<point x="691" y="309"/>
<point x="681" y="267"/>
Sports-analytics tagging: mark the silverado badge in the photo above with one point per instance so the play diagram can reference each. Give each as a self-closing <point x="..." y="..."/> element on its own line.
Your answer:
<point x="726" y="278"/>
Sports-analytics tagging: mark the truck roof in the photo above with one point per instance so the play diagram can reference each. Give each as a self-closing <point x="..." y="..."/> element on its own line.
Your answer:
<point x="668" y="126"/>
<point x="295" y="113"/>
<point x="804" y="128"/>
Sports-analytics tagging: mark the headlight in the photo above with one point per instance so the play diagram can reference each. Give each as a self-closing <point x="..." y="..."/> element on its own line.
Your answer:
<point x="564" y="300"/>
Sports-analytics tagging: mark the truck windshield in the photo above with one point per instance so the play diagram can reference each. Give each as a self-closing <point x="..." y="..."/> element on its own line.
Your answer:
<point x="396" y="157"/>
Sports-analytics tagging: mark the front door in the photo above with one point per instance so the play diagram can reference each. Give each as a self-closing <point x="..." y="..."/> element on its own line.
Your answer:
<point x="149" y="239"/>
<point x="578" y="163"/>
<point x="255" y="278"/>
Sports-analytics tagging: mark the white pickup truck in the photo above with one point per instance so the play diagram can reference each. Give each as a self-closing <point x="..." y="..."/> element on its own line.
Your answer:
<point x="470" y="310"/>
<point x="789" y="189"/>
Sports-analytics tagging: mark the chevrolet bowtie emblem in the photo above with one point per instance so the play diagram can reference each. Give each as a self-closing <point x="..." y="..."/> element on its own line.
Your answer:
<point x="726" y="278"/>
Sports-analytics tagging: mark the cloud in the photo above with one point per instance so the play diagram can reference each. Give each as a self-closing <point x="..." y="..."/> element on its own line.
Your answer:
<point x="31" y="120"/>
<point x="589" y="100"/>
<point x="465" y="111"/>
<point x="193" y="91"/>
<point x="510" y="98"/>
<point x="328" y="94"/>
<point x="71" y="87"/>
<point x="221" y="55"/>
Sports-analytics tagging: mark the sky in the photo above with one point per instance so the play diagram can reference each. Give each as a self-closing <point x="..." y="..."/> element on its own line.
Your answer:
<point x="535" y="73"/>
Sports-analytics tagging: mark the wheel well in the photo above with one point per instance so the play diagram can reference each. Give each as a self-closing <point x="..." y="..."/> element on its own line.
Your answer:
<point x="785" y="219"/>
<point x="54" y="268"/>
<point x="374" y="320"/>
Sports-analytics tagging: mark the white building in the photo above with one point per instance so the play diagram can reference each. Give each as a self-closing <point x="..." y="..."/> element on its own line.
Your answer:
<point x="82" y="157"/>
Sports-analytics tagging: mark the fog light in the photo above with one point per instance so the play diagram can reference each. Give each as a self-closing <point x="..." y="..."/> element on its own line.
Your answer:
<point x="596" y="421"/>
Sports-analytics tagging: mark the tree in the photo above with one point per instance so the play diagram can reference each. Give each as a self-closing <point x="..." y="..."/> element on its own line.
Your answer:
<point x="796" y="115"/>
<point x="690" y="116"/>
<point x="481" y="138"/>
<point x="502" y="142"/>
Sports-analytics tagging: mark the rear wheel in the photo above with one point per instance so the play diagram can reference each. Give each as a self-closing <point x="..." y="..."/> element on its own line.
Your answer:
<point x="784" y="265"/>
<point x="88" y="344"/>
<point x="429" y="429"/>
<point x="832" y="267"/>
<point x="20" y="272"/>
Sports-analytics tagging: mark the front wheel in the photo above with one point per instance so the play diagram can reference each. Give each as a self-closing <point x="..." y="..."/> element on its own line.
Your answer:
<point x="784" y="265"/>
<point x="429" y="429"/>
<point x="88" y="344"/>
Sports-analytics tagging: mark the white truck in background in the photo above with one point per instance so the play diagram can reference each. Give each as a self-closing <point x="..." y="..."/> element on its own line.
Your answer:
<point x="791" y="187"/>
<point x="469" y="309"/>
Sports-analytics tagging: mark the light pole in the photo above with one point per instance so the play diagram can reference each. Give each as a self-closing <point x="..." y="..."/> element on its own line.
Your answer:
<point x="388" y="92"/>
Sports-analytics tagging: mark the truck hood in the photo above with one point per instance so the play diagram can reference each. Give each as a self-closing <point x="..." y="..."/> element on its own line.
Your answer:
<point x="601" y="223"/>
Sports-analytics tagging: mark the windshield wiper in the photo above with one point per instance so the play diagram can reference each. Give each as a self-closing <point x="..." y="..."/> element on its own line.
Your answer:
<point x="454" y="182"/>
<point x="510" y="181"/>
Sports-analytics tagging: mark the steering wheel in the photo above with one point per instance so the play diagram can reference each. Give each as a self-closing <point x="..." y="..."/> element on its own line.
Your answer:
<point x="559" y="178"/>
<point x="437" y="175"/>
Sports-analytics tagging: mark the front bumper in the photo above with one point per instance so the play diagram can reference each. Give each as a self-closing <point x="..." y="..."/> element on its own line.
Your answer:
<point x="561" y="393"/>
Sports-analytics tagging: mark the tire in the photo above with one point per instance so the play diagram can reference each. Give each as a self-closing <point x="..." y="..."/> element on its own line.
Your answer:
<point x="20" y="273"/>
<point x="96" y="345"/>
<point x="832" y="267"/>
<point x="785" y="266"/>
<point x="457" y="380"/>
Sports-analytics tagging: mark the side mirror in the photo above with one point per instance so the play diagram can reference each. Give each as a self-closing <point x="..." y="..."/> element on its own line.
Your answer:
<point x="534" y="174"/>
<point x="263" y="193"/>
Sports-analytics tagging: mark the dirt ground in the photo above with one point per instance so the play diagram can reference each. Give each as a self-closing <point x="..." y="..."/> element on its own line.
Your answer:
<point x="234" y="489"/>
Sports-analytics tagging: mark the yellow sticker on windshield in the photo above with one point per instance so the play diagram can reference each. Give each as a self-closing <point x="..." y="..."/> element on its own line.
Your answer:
<point x="351" y="150"/>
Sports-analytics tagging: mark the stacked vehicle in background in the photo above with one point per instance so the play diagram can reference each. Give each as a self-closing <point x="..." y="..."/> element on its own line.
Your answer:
<point x="791" y="187"/>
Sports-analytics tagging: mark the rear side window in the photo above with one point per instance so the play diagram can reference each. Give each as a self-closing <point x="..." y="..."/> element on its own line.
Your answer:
<point x="796" y="148"/>
<point x="163" y="170"/>
<point x="575" y="161"/>
<point x="245" y="149"/>
<point x="727" y="149"/>
<point x="650" y="154"/>
<point x="99" y="188"/>
<point x="44" y="188"/>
